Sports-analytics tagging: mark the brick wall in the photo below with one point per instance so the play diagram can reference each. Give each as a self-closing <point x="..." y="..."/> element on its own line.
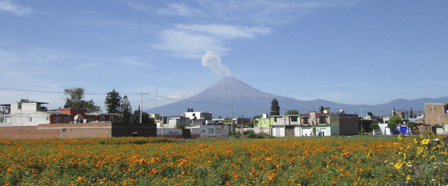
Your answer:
<point x="87" y="130"/>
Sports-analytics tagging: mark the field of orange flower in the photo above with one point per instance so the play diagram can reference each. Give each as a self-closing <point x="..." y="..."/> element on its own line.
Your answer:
<point x="162" y="161"/>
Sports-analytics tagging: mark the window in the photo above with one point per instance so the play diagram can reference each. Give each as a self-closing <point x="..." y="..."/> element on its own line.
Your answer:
<point x="102" y="118"/>
<point x="293" y="119"/>
<point x="48" y="118"/>
<point x="57" y="120"/>
<point x="218" y="130"/>
<point x="210" y="130"/>
<point x="89" y="120"/>
<point x="322" y="120"/>
<point x="111" y="119"/>
<point x="305" y="120"/>
<point x="31" y="119"/>
<point x="203" y="131"/>
<point x="275" y="119"/>
<point x="19" y="105"/>
<point x="67" y="120"/>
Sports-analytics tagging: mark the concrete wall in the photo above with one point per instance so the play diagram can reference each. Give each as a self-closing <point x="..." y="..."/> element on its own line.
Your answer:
<point x="201" y="131"/>
<point x="214" y="130"/>
<point x="169" y="132"/>
<point x="258" y="130"/>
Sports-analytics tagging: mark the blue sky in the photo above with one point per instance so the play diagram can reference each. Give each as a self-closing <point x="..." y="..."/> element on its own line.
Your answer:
<point x="346" y="51"/>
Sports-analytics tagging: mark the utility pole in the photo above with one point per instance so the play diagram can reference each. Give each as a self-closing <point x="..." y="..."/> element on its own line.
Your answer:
<point x="231" y="118"/>
<point x="141" y="106"/>
<point x="284" y="121"/>
<point x="163" y="121"/>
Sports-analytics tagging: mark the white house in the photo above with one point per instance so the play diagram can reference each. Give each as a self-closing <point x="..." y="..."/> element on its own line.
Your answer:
<point x="24" y="114"/>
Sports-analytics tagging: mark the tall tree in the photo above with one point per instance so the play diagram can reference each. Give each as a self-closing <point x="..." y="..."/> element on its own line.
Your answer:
<point x="126" y="110"/>
<point x="112" y="102"/>
<point x="275" y="109"/>
<point x="74" y="98"/>
<point x="411" y="114"/>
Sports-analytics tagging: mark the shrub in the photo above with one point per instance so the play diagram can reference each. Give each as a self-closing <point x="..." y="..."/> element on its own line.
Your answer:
<point x="374" y="126"/>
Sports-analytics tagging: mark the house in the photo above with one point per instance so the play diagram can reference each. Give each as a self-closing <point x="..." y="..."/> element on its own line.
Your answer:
<point x="286" y="125"/>
<point x="264" y="122"/>
<point x="436" y="113"/>
<point x="198" y="118"/>
<point x="321" y="123"/>
<point x="24" y="114"/>
<point x="35" y="113"/>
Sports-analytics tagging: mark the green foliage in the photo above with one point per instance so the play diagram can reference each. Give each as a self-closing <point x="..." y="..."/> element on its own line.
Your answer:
<point x="126" y="110"/>
<point x="275" y="108"/>
<point x="391" y="126"/>
<point x="395" y="120"/>
<point x="252" y="134"/>
<point x="113" y="102"/>
<point x="26" y="100"/>
<point x="411" y="125"/>
<point x="292" y="112"/>
<point x="74" y="98"/>
<point x="374" y="126"/>
<point x="227" y="120"/>
<point x="135" y="118"/>
<point x="180" y="126"/>
<point x="250" y="124"/>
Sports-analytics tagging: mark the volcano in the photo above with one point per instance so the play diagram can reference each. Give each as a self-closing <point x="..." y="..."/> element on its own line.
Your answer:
<point x="248" y="101"/>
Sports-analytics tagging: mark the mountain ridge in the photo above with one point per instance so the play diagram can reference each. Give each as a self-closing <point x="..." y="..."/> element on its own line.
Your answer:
<point x="248" y="101"/>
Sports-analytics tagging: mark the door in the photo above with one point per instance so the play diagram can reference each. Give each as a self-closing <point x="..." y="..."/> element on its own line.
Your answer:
<point x="289" y="131"/>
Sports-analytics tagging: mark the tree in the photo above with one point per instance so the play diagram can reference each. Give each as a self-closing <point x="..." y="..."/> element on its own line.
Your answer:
<point x="292" y="112"/>
<point x="394" y="121"/>
<point x="112" y="102"/>
<point x="74" y="98"/>
<point x="26" y="100"/>
<point x="394" y="113"/>
<point x="126" y="110"/>
<point x="411" y="114"/>
<point x="411" y="125"/>
<point x="227" y="120"/>
<point x="275" y="109"/>
<point x="374" y="126"/>
<point x="135" y="118"/>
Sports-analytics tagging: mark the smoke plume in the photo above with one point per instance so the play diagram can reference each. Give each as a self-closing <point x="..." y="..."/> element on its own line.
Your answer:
<point x="213" y="61"/>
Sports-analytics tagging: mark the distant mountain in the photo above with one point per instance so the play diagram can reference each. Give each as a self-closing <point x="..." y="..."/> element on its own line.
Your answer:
<point x="249" y="101"/>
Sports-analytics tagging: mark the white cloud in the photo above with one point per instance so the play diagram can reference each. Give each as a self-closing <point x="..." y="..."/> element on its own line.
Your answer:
<point x="8" y="6"/>
<point x="189" y="45"/>
<point x="137" y="61"/>
<point x="137" y="6"/>
<point x="191" y="41"/>
<point x="178" y="9"/>
<point x="227" y="31"/>
<point x="213" y="61"/>
<point x="87" y="65"/>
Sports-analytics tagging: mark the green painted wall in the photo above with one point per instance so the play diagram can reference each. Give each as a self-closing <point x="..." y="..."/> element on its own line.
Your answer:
<point x="264" y="123"/>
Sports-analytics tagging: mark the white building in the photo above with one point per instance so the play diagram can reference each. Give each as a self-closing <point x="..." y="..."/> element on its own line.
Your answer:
<point x="24" y="114"/>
